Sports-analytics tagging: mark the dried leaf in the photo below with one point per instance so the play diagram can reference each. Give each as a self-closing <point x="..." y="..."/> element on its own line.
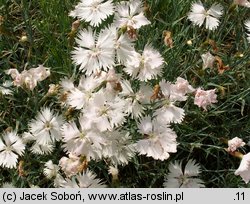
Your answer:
<point x="168" y="40"/>
<point x="220" y="66"/>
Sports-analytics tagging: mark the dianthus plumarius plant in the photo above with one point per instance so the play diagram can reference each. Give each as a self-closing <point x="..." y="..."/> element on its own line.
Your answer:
<point x="133" y="93"/>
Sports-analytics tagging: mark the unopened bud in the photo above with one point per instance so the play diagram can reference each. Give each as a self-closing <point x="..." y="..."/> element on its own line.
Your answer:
<point x="168" y="41"/>
<point x="189" y="42"/>
<point x="24" y="38"/>
<point x="75" y="25"/>
<point x="114" y="172"/>
<point x="53" y="89"/>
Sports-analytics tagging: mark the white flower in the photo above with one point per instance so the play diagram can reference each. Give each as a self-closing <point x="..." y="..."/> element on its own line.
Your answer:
<point x="247" y="24"/>
<point x="244" y="3"/>
<point x="105" y="112"/>
<point x="199" y="14"/>
<point x="94" y="52"/>
<point x="42" y="149"/>
<point x="67" y="84"/>
<point x="124" y="46"/>
<point x="81" y="141"/>
<point x="130" y="14"/>
<point x="46" y="127"/>
<point x="36" y="148"/>
<point x="146" y="66"/>
<point x="93" y="11"/>
<point x="119" y="148"/>
<point x="244" y="168"/>
<point x="79" y="97"/>
<point x="208" y="60"/>
<point x="167" y="112"/>
<point x="50" y="170"/>
<point x="205" y="98"/>
<point x="85" y="180"/>
<point x="235" y="143"/>
<point x="135" y="101"/>
<point x="11" y="146"/>
<point x="187" y="179"/>
<point x="160" y="140"/>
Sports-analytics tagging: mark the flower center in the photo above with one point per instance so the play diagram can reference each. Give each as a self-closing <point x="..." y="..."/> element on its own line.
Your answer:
<point x="206" y="13"/>
<point x="95" y="7"/>
<point x="8" y="148"/>
<point x="82" y="135"/>
<point x="104" y="110"/>
<point x="166" y="102"/>
<point x="47" y="125"/>
<point x="183" y="180"/>
<point x="95" y="52"/>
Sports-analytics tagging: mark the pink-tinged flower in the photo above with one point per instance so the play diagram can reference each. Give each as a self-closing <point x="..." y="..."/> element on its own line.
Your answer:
<point x="235" y="143"/>
<point x="244" y="168"/>
<point x="208" y="60"/>
<point x="29" y="78"/>
<point x="40" y="73"/>
<point x="70" y="165"/>
<point x="244" y="3"/>
<point x="179" y="89"/>
<point x="205" y="98"/>
<point x="130" y="14"/>
<point x="199" y="14"/>
<point x="93" y="11"/>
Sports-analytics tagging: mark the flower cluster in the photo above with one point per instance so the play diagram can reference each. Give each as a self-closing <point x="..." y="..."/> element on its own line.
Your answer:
<point x="29" y="78"/>
<point x="116" y="105"/>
